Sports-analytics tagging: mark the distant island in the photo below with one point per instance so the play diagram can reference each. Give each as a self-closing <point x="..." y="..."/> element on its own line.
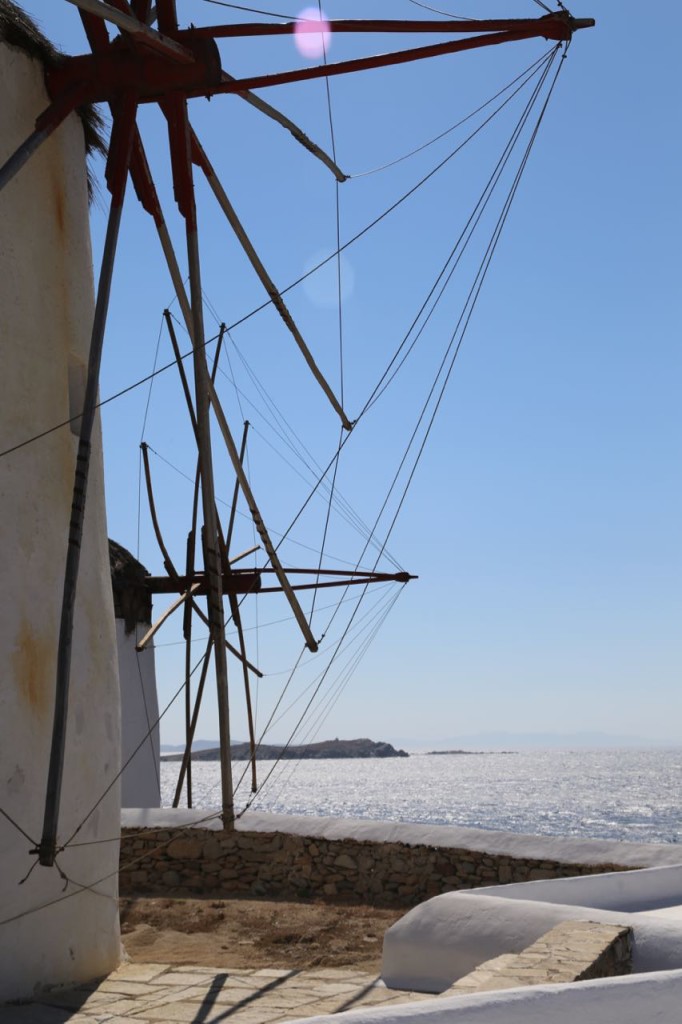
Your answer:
<point x="432" y="753"/>
<point x="311" y="751"/>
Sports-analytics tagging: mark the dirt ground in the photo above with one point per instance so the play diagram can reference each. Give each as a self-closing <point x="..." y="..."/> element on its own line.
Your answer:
<point x="253" y="933"/>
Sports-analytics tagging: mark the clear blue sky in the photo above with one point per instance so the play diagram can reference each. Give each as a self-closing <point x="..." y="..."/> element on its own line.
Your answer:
<point x="544" y="518"/>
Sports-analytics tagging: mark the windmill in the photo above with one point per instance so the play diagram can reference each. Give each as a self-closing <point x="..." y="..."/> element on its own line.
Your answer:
<point x="168" y="66"/>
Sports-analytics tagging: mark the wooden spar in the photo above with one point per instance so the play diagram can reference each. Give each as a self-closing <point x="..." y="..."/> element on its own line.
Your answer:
<point x="162" y="70"/>
<point x="101" y="42"/>
<point x="200" y="158"/>
<point x="368" y="574"/>
<point x="187" y="635"/>
<point x="311" y="643"/>
<point x="191" y="546"/>
<point x="148" y="196"/>
<point x="296" y="132"/>
<point x="243" y="581"/>
<point x="167" y="560"/>
<point x="234" y="605"/>
<point x="156" y="626"/>
<point x="237" y="619"/>
<point x="244" y="554"/>
<point x="45" y="124"/>
<point x="181" y="369"/>
<point x="186" y="765"/>
<point x="248" y="582"/>
<point x="173" y="583"/>
<point x="178" y="127"/>
<point x="117" y="174"/>
<point x="556" y="25"/>
<point x="334" y="583"/>
<point x="25" y="151"/>
<point x="235" y="495"/>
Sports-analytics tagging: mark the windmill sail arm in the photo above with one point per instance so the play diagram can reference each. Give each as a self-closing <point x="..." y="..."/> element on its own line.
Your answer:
<point x="280" y="118"/>
<point x="556" y="25"/>
<point x="156" y="626"/>
<point x="381" y="60"/>
<point x="226" y="206"/>
<point x="311" y="643"/>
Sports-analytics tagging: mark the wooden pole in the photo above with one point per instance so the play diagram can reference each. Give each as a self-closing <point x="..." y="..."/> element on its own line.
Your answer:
<point x="179" y="133"/>
<point x="117" y="171"/>
<point x="186" y="765"/>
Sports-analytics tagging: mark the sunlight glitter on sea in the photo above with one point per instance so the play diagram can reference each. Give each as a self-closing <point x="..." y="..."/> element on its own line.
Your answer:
<point x="627" y="795"/>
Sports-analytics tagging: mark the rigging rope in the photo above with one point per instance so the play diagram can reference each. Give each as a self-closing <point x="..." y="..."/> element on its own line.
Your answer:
<point x="452" y="128"/>
<point x="266" y="625"/>
<point x="246" y="515"/>
<point x="477" y="286"/>
<point x="465" y="317"/>
<point x="549" y="58"/>
<point x="333" y="697"/>
<point x="362" y="625"/>
<point x="18" y="827"/>
<point x="446" y="14"/>
<point x="343" y="506"/>
<point x="118" y="775"/>
<point x="475" y="291"/>
<point x="255" y="10"/>
<point x="470" y="226"/>
<point x="263" y="305"/>
<point x="332" y="486"/>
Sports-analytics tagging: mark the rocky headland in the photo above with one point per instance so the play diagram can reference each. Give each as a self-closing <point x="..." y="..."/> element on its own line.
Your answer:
<point x="326" y="749"/>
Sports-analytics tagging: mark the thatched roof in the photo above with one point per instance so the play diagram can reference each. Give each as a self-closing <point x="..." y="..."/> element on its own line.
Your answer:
<point x="20" y="31"/>
<point x="132" y="599"/>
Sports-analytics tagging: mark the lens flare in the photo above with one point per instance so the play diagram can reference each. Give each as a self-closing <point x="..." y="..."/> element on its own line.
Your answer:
<point x="312" y="34"/>
<point x="322" y="287"/>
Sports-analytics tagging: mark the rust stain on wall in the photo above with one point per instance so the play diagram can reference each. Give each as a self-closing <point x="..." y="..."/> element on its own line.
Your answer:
<point x="33" y="665"/>
<point x="59" y="202"/>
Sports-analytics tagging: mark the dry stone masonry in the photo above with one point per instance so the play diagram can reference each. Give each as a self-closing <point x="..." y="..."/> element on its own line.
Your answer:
<point x="196" y="861"/>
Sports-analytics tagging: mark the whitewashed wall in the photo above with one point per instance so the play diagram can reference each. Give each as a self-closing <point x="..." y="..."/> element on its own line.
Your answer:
<point x="46" y="305"/>
<point x="630" y="891"/>
<point x="447" y="937"/>
<point x="139" y="712"/>
<point x="631" y="1000"/>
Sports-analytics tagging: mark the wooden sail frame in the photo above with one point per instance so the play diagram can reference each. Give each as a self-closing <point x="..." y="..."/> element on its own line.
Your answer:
<point x="168" y="67"/>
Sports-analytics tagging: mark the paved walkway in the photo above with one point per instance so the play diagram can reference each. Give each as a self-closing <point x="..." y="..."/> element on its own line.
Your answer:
<point x="147" y="993"/>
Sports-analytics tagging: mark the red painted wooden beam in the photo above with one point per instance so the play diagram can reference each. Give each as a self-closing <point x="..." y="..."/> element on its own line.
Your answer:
<point x="128" y="64"/>
<point x="559" y="26"/>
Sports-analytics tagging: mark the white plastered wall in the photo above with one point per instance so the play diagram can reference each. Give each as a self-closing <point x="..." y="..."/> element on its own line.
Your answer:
<point x="139" y="720"/>
<point x="46" y="308"/>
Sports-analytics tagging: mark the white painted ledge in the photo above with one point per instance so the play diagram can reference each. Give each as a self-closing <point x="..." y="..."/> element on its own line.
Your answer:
<point x="630" y="1000"/>
<point x="568" y="850"/>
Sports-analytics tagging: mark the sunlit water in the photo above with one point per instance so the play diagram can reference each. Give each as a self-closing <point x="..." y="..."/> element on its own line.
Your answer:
<point x="631" y="795"/>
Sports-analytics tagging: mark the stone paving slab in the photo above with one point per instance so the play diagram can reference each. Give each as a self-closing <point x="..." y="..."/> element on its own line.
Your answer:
<point x="149" y="993"/>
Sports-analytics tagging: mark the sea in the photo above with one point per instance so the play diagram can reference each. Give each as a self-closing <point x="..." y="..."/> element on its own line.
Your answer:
<point x="631" y="795"/>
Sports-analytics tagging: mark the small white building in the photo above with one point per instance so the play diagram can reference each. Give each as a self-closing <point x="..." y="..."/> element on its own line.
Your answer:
<point x="140" y="752"/>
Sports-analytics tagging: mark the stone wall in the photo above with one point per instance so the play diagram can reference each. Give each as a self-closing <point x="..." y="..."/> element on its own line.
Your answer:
<point x="202" y="862"/>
